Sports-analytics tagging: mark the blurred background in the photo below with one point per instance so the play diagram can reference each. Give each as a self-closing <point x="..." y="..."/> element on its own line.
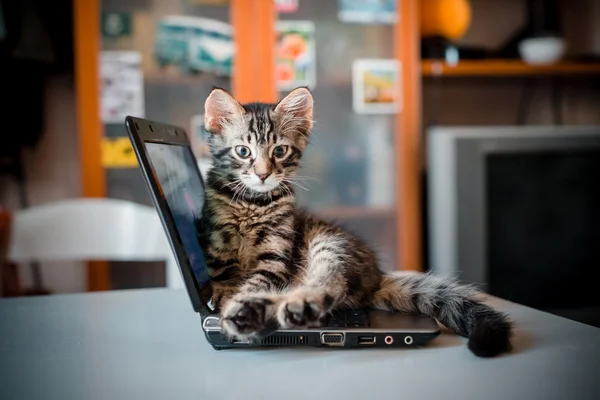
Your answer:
<point x="458" y="136"/>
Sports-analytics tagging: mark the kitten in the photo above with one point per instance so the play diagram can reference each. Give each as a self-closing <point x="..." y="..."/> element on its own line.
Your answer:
<point x="275" y="266"/>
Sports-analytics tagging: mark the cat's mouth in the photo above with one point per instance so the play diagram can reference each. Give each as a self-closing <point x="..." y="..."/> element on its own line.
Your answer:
<point x="255" y="184"/>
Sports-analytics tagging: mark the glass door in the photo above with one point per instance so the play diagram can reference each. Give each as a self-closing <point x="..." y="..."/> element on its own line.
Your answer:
<point x="349" y="164"/>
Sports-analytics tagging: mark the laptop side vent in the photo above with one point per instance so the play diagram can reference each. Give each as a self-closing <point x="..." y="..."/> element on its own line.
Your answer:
<point x="283" y="340"/>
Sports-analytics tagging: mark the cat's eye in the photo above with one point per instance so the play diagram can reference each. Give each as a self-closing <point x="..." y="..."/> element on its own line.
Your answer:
<point x="243" y="151"/>
<point x="280" y="151"/>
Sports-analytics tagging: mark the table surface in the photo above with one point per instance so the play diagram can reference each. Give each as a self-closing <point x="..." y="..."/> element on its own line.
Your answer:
<point x="148" y="344"/>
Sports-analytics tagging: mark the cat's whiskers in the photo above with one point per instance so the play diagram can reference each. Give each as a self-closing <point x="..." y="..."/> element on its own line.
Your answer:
<point x="287" y="189"/>
<point x="236" y="191"/>
<point x="306" y="177"/>
<point x="283" y="188"/>
<point x="297" y="184"/>
<point x="303" y="180"/>
<point x="235" y="182"/>
<point x="220" y="178"/>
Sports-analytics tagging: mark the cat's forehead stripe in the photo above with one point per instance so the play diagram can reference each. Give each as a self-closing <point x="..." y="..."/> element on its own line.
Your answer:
<point x="261" y="126"/>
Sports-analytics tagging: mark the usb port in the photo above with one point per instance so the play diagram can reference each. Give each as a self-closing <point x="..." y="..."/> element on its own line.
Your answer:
<point x="366" y="340"/>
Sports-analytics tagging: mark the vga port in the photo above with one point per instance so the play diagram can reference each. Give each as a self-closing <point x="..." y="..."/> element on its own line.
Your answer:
<point x="333" y="339"/>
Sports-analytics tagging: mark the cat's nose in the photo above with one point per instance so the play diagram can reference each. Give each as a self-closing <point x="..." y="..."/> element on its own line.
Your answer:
<point x="263" y="177"/>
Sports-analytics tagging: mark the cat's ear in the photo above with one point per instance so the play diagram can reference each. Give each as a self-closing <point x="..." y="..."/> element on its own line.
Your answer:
<point x="298" y="104"/>
<point x="221" y="108"/>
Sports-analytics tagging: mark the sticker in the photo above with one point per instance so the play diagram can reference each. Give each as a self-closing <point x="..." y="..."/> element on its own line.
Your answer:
<point x="376" y="86"/>
<point x="368" y="11"/>
<point x="122" y="86"/>
<point x="118" y="153"/>
<point x="116" y="24"/>
<point x="295" y="60"/>
<point x="286" y="6"/>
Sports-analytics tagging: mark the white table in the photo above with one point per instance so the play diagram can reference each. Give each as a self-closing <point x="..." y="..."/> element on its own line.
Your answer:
<point x="147" y="344"/>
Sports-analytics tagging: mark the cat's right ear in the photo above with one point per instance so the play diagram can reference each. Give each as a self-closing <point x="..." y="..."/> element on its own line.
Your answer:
<point x="220" y="109"/>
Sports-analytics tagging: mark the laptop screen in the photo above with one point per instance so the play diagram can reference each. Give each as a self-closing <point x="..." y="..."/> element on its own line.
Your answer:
<point x="183" y="191"/>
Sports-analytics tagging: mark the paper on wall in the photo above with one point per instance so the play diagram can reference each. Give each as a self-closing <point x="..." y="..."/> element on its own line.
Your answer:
<point x="122" y="86"/>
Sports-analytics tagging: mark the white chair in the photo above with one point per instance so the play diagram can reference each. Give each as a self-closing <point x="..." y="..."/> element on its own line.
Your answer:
<point x="92" y="229"/>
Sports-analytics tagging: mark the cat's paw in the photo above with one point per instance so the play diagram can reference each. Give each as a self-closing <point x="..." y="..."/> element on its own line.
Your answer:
<point x="245" y="318"/>
<point x="303" y="309"/>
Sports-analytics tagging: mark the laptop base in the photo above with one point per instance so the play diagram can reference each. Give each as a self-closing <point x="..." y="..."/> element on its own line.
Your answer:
<point x="385" y="329"/>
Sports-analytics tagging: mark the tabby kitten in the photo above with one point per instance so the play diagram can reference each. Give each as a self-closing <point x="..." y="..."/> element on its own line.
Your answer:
<point x="275" y="266"/>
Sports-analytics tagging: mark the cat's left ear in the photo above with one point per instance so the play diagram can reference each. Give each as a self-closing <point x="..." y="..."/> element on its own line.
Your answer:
<point x="299" y="104"/>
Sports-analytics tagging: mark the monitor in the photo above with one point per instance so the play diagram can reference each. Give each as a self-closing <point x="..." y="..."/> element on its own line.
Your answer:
<point x="515" y="210"/>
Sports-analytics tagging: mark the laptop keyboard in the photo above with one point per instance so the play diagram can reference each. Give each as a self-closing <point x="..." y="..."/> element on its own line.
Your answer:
<point x="348" y="319"/>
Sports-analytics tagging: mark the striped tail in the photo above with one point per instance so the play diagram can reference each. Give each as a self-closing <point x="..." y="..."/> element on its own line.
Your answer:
<point x="449" y="303"/>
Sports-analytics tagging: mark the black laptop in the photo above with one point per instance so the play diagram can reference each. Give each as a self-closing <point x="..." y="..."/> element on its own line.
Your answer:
<point x="177" y="190"/>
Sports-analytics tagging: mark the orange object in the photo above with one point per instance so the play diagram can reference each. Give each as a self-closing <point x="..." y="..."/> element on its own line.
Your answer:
<point x="254" y="68"/>
<point x="447" y="18"/>
<point x="86" y="27"/>
<point x="408" y="133"/>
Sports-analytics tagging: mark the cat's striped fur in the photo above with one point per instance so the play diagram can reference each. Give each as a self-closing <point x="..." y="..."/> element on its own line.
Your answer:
<point x="273" y="265"/>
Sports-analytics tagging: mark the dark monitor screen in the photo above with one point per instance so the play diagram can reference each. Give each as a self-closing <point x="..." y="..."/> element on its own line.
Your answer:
<point x="183" y="190"/>
<point x="543" y="225"/>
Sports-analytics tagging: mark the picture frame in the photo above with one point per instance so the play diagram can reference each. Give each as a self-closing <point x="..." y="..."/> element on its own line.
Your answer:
<point x="376" y="86"/>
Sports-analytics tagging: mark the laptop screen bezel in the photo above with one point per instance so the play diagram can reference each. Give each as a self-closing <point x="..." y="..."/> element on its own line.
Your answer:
<point x="142" y="131"/>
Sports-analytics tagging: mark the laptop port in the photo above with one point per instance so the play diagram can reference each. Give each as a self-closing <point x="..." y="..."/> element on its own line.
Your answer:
<point x="333" y="339"/>
<point x="366" y="340"/>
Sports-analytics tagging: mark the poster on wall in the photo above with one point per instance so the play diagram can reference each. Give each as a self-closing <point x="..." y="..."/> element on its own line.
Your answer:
<point x="121" y="86"/>
<point x="368" y="11"/>
<point x="376" y="86"/>
<point x="194" y="45"/>
<point x="295" y="59"/>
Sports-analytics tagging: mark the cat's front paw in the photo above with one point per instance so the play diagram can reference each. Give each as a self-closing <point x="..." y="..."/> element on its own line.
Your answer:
<point x="303" y="309"/>
<point x="245" y="318"/>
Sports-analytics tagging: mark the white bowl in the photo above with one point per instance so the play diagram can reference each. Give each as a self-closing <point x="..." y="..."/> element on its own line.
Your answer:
<point x="544" y="50"/>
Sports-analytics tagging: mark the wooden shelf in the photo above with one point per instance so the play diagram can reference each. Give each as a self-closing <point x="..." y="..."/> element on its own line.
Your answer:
<point x="429" y="68"/>
<point x="507" y="68"/>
